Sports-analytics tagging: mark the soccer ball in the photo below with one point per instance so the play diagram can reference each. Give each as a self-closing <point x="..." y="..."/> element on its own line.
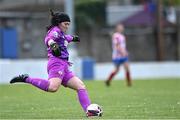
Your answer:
<point x="94" y="110"/>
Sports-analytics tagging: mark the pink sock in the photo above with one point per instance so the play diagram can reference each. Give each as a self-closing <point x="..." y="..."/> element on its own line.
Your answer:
<point x="83" y="98"/>
<point x="39" y="83"/>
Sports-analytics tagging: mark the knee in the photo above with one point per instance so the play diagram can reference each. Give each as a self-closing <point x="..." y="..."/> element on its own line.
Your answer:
<point x="126" y="69"/>
<point x="116" y="71"/>
<point x="53" y="88"/>
<point x="54" y="84"/>
<point x="82" y="85"/>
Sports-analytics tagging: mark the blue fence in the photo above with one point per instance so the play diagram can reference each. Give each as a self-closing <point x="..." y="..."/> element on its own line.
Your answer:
<point x="0" y="43"/>
<point x="8" y="43"/>
<point x="88" y="68"/>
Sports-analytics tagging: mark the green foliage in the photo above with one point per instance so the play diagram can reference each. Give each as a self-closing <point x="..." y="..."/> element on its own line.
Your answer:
<point x="90" y="13"/>
<point x="146" y="99"/>
<point x="171" y="2"/>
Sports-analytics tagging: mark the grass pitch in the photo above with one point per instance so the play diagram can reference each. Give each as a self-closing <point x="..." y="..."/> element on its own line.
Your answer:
<point x="146" y="99"/>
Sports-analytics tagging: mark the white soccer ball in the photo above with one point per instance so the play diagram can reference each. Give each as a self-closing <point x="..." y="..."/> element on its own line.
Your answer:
<point x="94" y="110"/>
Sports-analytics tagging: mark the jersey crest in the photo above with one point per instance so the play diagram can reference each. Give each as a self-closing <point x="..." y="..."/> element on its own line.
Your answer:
<point x="55" y="34"/>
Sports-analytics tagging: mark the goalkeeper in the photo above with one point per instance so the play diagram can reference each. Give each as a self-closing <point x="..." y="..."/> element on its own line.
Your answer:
<point x="58" y="66"/>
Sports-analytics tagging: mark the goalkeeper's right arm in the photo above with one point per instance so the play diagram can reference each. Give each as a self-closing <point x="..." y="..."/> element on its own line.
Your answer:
<point x="56" y="50"/>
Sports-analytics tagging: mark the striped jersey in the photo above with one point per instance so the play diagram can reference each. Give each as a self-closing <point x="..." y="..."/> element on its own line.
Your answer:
<point x="118" y="39"/>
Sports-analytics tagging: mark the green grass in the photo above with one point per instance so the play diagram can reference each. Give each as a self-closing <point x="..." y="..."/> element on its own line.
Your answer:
<point x="146" y="99"/>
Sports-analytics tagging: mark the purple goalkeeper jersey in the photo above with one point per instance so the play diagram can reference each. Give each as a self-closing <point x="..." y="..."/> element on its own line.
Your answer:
<point x="61" y="39"/>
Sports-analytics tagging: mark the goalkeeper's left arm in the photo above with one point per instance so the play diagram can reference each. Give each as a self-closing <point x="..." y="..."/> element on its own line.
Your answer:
<point x="72" y="38"/>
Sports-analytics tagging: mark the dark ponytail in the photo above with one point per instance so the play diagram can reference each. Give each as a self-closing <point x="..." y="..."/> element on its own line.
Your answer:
<point x="51" y="11"/>
<point x="51" y="16"/>
<point x="57" y="18"/>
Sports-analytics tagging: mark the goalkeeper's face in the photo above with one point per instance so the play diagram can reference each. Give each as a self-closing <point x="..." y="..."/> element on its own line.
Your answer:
<point x="64" y="26"/>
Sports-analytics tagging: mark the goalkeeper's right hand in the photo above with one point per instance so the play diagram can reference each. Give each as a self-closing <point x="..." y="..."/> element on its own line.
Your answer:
<point x="56" y="50"/>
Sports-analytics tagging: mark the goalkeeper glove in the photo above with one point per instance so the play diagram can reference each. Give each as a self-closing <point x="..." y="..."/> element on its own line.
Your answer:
<point x="56" y="50"/>
<point x="76" y="38"/>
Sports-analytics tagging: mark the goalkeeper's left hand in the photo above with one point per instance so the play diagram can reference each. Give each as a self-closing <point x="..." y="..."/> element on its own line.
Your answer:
<point x="76" y="38"/>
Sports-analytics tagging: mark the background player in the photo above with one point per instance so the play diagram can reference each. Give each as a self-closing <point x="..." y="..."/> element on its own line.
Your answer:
<point x="119" y="55"/>
<point x="58" y="65"/>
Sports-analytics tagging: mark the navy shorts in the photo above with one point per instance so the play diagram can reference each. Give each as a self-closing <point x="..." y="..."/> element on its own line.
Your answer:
<point x="120" y="61"/>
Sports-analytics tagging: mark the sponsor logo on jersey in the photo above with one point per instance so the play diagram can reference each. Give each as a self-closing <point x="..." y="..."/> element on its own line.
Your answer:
<point x="55" y="34"/>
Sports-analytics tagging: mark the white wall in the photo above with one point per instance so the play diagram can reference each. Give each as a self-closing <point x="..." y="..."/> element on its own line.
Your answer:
<point x="33" y="67"/>
<point x="37" y="68"/>
<point x="11" y="68"/>
<point x="141" y="70"/>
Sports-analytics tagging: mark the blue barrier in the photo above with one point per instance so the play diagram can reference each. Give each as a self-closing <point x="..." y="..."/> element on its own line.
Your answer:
<point x="88" y="68"/>
<point x="0" y="43"/>
<point x="9" y="43"/>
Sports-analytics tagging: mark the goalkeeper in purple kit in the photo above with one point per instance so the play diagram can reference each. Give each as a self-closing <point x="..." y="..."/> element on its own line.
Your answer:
<point x="58" y="66"/>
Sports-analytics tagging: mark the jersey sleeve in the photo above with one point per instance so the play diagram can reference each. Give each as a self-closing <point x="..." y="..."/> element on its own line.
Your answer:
<point x="52" y="35"/>
<point x="69" y="38"/>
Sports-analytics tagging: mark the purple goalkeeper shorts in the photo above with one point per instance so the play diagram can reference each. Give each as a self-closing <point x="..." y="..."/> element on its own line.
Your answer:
<point x="58" y="68"/>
